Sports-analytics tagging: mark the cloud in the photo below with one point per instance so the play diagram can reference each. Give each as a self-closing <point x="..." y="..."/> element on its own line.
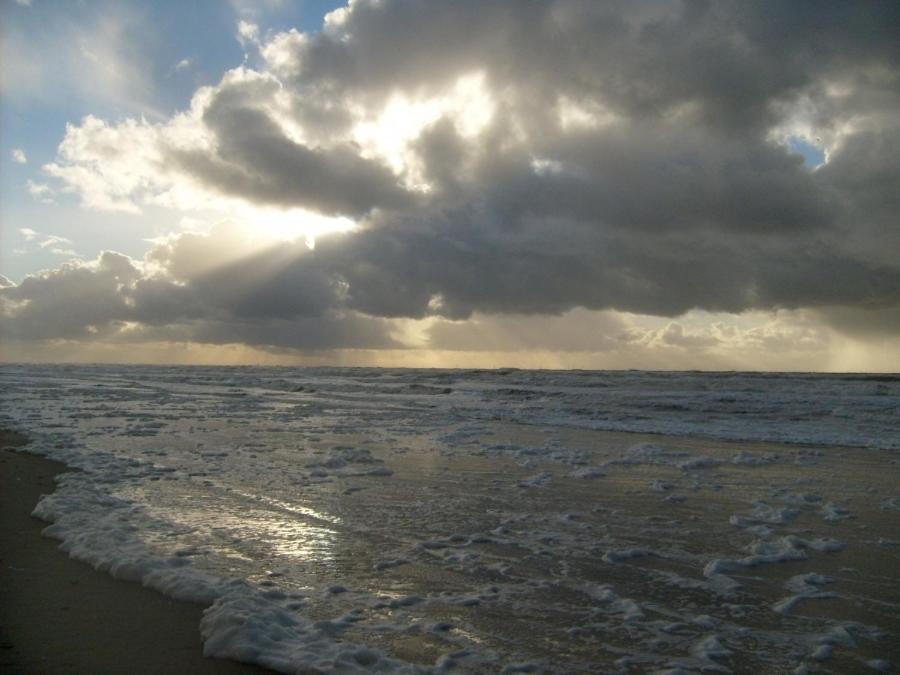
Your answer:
<point x="19" y="156"/>
<point x="255" y="159"/>
<point x="40" y="191"/>
<point x="512" y="160"/>
<point x="862" y="322"/>
<point x="247" y="33"/>
<point x="575" y="331"/>
<point x="674" y="335"/>
<point x="52" y="240"/>
<point x="168" y="296"/>
<point x="46" y="241"/>
<point x="74" y="301"/>
<point x="253" y="8"/>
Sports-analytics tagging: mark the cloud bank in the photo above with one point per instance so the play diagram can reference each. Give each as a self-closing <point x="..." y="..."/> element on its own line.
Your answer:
<point x="506" y="159"/>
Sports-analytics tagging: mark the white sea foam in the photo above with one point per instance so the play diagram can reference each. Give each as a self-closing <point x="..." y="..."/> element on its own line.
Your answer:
<point x="763" y="552"/>
<point x="330" y="518"/>
<point x="805" y="587"/>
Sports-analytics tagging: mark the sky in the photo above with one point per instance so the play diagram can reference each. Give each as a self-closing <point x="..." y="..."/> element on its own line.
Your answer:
<point x="467" y="183"/>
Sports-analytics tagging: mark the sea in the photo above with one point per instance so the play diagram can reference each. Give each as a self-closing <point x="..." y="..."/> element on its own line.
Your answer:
<point x="426" y="521"/>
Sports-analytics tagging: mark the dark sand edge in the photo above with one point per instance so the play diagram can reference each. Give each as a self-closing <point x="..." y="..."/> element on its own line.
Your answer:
<point x="58" y="615"/>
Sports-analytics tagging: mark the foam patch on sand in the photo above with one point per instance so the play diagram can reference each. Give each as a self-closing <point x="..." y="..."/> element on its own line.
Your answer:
<point x="765" y="552"/>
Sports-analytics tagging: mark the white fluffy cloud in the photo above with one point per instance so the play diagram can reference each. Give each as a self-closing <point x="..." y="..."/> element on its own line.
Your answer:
<point x="247" y="33"/>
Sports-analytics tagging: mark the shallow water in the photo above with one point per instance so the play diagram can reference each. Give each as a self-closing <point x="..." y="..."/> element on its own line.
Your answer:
<point x="481" y="520"/>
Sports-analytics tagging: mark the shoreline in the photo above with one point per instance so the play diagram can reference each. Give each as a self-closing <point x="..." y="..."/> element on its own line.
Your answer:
<point x="665" y="506"/>
<point x="58" y="615"/>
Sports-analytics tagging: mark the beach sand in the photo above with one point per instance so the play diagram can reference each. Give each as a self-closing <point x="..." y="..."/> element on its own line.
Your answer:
<point x="58" y="615"/>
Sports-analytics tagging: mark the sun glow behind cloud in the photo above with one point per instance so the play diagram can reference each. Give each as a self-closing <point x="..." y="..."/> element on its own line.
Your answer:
<point x="271" y="225"/>
<point x="466" y="103"/>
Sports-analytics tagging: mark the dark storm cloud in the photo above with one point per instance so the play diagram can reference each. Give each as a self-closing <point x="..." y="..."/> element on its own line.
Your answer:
<point x="864" y="176"/>
<point x="683" y="200"/>
<point x="864" y="322"/>
<point x="319" y="333"/>
<point x="310" y="334"/>
<point x="467" y="266"/>
<point x="254" y="159"/>
<point x="73" y="301"/>
<point x="733" y="59"/>
<point x="668" y="178"/>
<point x="677" y="189"/>
<point x="240" y="301"/>
<point x="205" y="278"/>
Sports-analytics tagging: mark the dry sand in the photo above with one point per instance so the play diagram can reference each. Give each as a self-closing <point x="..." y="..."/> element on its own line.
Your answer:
<point x="58" y="615"/>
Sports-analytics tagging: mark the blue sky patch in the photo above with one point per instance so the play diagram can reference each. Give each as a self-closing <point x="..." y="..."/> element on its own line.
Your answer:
<point x="813" y="157"/>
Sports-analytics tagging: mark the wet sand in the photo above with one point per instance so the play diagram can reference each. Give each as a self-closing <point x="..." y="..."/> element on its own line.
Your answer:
<point x="58" y="615"/>
<point x="607" y="564"/>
